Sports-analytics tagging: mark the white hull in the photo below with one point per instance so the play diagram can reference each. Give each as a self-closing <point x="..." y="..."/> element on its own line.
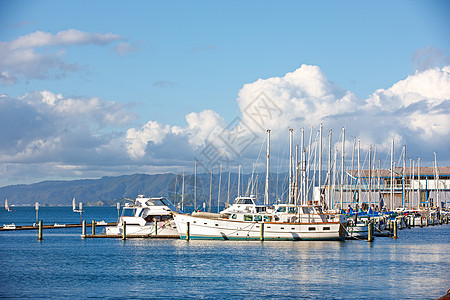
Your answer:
<point x="358" y="231"/>
<point x="164" y="229"/>
<point x="206" y="228"/>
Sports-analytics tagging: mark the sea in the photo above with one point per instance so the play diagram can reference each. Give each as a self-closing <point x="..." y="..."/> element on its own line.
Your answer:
<point x="64" y="266"/>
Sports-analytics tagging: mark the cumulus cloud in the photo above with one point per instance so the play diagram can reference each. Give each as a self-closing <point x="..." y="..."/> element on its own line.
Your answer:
<point x="31" y="56"/>
<point x="47" y="127"/>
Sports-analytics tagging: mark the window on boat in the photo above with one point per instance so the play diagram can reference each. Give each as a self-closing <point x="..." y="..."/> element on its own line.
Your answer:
<point x="127" y="212"/>
<point x="311" y="228"/>
<point x="257" y="218"/>
<point x="307" y="210"/>
<point x="248" y="201"/>
<point x="281" y="209"/>
<point x="248" y="218"/>
<point x="326" y="228"/>
<point x="292" y="210"/>
<point x="267" y="219"/>
<point x="233" y="216"/>
<point x="157" y="202"/>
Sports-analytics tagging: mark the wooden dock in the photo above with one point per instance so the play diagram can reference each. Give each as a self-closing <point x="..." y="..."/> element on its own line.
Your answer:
<point x="55" y="226"/>
<point x="131" y="236"/>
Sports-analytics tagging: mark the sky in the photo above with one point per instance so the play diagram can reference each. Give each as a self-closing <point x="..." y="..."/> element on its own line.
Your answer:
<point x="107" y="88"/>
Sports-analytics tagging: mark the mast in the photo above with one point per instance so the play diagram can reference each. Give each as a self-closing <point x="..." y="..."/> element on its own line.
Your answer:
<point x="195" y="185"/>
<point x="392" y="177"/>
<point x="182" y="194"/>
<point x="329" y="169"/>
<point x="418" y="185"/>
<point x="342" y="168"/>
<point x="239" y="181"/>
<point x="359" y="173"/>
<point x="210" y="192"/>
<point x="353" y="164"/>
<point x="296" y="175"/>
<point x="291" y="131"/>
<point x="320" y="162"/>
<point x="333" y="189"/>
<point x="228" y="194"/>
<point x="302" y="180"/>
<point x="266" y="193"/>
<point x="436" y="180"/>
<point x="218" y="194"/>
<point x="370" y="175"/>
<point x="403" y="176"/>
<point x="411" y="180"/>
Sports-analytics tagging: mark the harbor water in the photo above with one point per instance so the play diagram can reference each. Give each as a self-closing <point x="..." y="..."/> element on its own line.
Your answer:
<point x="62" y="265"/>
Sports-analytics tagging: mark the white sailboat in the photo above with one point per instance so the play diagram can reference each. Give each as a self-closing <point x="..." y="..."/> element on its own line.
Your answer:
<point x="245" y="220"/>
<point x="7" y="205"/>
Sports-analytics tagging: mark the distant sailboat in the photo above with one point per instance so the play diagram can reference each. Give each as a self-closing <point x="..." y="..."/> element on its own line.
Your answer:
<point x="74" y="205"/>
<point x="6" y="205"/>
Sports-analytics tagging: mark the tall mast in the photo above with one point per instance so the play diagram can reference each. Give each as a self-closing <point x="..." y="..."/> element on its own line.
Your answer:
<point x="228" y="194"/>
<point x="266" y="193"/>
<point x="359" y="174"/>
<point x="342" y="168"/>
<point x="370" y="175"/>
<point x="436" y="180"/>
<point x="418" y="183"/>
<point x="239" y="181"/>
<point x="210" y="191"/>
<point x="195" y="185"/>
<point x="291" y="131"/>
<point x="182" y="194"/>
<point x="332" y="202"/>
<point x="411" y="180"/>
<point x="302" y="158"/>
<point x="392" y="177"/>
<point x="353" y="167"/>
<point x="329" y="169"/>
<point x="220" y="182"/>
<point x="320" y="162"/>
<point x="296" y="175"/>
<point x="403" y="176"/>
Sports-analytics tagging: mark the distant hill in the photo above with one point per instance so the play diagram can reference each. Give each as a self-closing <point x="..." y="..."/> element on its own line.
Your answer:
<point x="107" y="191"/>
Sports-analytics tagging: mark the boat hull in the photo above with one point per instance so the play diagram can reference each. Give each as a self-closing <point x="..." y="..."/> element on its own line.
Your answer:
<point x="225" y="229"/>
<point x="164" y="229"/>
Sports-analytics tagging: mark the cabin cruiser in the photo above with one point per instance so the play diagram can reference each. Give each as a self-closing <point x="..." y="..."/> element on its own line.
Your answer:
<point x="147" y="216"/>
<point x="248" y="221"/>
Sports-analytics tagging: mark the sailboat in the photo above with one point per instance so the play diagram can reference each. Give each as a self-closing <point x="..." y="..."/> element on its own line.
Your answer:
<point x="244" y="220"/>
<point x="6" y="205"/>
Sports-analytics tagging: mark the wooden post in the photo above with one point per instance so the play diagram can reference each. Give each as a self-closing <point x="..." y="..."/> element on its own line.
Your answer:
<point x="421" y="221"/>
<point x="262" y="232"/>
<point x="124" y="231"/>
<point x="370" y="233"/>
<point x="93" y="227"/>
<point x="156" y="227"/>
<point x="41" y="225"/>
<point x="395" y="230"/>
<point x="188" y="231"/>
<point x="83" y="229"/>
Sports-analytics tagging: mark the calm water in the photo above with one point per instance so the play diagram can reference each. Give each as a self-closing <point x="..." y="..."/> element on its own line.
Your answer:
<point x="416" y="266"/>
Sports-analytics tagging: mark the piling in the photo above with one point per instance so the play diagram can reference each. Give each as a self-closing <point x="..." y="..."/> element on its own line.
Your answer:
<point x="188" y="231"/>
<point x="124" y="231"/>
<point x="93" y="227"/>
<point x="421" y="222"/>
<point x="262" y="232"/>
<point x="446" y="219"/>
<point x="370" y="233"/>
<point x="156" y="227"/>
<point x="83" y="229"/>
<point x="441" y="220"/>
<point x="395" y="230"/>
<point x="41" y="226"/>
<point x="426" y="222"/>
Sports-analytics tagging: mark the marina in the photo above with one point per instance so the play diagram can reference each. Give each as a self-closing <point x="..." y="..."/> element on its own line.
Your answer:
<point x="414" y="266"/>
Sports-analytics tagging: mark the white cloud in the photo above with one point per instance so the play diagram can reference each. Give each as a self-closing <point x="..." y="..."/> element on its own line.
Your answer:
<point x="52" y="130"/>
<point x="23" y="56"/>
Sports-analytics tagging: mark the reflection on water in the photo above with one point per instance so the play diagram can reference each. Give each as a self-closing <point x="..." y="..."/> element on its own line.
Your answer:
<point x="415" y="266"/>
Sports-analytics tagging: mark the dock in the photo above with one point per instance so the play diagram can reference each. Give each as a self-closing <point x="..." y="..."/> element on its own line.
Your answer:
<point x="131" y="236"/>
<point x="55" y="226"/>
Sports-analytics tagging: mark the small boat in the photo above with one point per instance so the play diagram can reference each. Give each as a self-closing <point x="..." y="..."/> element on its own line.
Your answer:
<point x="9" y="226"/>
<point x="59" y="225"/>
<point x="101" y="223"/>
<point x="147" y="216"/>
<point x="7" y="205"/>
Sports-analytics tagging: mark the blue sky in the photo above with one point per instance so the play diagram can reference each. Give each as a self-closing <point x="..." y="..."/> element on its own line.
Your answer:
<point x="161" y="61"/>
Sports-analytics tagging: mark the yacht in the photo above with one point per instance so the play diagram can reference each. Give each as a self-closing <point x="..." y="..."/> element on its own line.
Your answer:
<point x="145" y="217"/>
<point x="245" y="220"/>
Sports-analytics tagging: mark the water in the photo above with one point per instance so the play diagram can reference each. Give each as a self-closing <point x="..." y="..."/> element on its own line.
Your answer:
<point x="62" y="265"/>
